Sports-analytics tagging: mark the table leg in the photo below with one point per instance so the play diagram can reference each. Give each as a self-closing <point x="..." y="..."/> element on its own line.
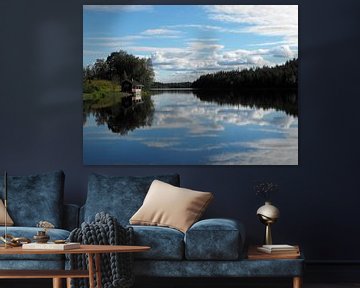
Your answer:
<point x="98" y="270"/>
<point x="297" y="282"/>
<point x="68" y="282"/>
<point x="57" y="283"/>
<point x="91" y="270"/>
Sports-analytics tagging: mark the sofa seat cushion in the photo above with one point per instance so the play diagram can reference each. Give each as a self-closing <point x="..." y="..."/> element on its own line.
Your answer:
<point x="29" y="232"/>
<point x="120" y="196"/>
<point x="214" y="239"/>
<point x="38" y="264"/>
<point x="35" y="198"/>
<point x="166" y="243"/>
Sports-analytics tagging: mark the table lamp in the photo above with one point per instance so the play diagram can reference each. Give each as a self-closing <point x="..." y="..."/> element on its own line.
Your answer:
<point x="268" y="214"/>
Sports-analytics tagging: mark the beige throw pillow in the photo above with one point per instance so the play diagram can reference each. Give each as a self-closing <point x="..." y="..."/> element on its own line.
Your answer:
<point x="170" y="206"/>
<point x="9" y="221"/>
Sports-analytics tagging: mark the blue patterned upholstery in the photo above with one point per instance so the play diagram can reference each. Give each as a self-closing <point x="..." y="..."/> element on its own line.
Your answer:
<point x="32" y="264"/>
<point x="119" y="196"/>
<point x="212" y="268"/>
<point x="32" y="199"/>
<point x="214" y="239"/>
<point x="35" y="198"/>
<point x="166" y="243"/>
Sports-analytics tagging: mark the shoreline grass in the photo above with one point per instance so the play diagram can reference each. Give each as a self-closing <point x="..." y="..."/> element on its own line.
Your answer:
<point x="102" y="93"/>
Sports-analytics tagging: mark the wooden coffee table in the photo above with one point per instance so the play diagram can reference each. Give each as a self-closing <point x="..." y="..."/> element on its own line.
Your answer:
<point x="92" y="251"/>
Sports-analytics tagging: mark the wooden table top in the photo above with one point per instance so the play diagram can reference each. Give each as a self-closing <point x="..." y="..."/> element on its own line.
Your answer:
<point x="254" y="254"/>
<point x="92" y="249"/>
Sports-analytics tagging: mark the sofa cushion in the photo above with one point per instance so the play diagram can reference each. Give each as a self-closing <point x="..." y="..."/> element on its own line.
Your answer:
<point x="214" y="239"/>
<point x="9" y="221"/>
<point x="35" y="198"/>
<point x="38" y="264"/>
<point x="169" y="206"/>
<point x="165" y="243"/>
<point x="29" y="232"/>
<point x="119" y="196"/>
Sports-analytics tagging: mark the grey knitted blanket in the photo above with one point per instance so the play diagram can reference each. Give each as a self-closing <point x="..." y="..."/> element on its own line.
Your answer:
<point x="116" y="268"/>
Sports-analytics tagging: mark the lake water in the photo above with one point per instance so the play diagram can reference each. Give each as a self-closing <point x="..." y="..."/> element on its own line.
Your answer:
<point x="188" y="128"/>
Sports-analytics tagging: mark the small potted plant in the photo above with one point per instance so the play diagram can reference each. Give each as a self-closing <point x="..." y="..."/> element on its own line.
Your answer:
<point x="265" y="189"/>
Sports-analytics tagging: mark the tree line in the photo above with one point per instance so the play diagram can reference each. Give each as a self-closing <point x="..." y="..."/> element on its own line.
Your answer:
<point x="119" y="66"/>
<point x="280" y="76"/>
<point x="171" y="85"/>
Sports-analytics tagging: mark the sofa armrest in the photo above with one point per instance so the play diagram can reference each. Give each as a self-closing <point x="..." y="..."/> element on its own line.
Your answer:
<point x="215" y="239"/>
<point x="71" y="216"/>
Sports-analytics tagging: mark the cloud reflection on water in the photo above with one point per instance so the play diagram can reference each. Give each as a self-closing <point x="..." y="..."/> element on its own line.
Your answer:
<point x="205" y="120"/>
<point x="187" y="130"/>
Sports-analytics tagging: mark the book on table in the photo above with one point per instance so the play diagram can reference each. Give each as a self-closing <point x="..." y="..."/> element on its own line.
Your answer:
<point x="278" y="249"/>
<point x="51" y="246"/>
<point x="254" y="253"/>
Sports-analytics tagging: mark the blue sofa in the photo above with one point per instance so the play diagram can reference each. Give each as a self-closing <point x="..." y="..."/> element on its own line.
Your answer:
<point x="32" y="199"/>
<point x="210" y="248"/>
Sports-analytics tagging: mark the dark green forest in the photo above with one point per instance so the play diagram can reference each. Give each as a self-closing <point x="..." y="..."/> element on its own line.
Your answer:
<point x="180" y="85"/>
<point x="278" y="77"/>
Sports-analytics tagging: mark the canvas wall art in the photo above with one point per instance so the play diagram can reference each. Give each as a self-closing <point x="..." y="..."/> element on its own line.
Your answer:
<point x="190" y="84"/>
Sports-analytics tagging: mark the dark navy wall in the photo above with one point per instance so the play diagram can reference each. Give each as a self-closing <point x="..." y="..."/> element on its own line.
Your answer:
<point x="41" y="123"/>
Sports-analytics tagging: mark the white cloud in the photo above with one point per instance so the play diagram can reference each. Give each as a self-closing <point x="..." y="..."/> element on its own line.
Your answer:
<point x="283" y="51"/>
<point x="160" y="31"/>
<point x="200" y="57"/>
<point x="264" y="152"/>
<point x="196" y="58"/>
<point x="164" y="143"/>
<point x="188" y="114"/>
<point x="269" y="20"/>
<point x="117" y="8"/>
<point x="206" y="28"/>
<point x="204" y="47"/>
<point x="155" y="49"/>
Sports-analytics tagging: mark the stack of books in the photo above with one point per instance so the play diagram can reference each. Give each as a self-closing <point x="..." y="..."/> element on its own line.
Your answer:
<point x="51" y="246"/>
<point x="273" y="252"/>
<point x="279" y="249"/>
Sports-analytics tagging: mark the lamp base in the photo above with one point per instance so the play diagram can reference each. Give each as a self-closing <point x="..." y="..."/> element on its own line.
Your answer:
<point x="268" y="237"/>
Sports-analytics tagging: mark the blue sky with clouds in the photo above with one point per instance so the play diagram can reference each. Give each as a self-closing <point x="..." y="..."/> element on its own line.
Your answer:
<point x="186" y="41"/>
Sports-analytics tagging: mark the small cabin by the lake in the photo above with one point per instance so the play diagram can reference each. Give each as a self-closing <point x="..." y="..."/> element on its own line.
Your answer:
<point x="133" y="87"/>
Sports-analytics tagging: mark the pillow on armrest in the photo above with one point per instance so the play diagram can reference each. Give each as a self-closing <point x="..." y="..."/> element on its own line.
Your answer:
<point x="9" y="221"/>
<point x="170" y="206"/>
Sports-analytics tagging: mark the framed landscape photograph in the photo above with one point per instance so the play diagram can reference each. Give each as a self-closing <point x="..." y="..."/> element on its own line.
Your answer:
<point x="190" y="84"/>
